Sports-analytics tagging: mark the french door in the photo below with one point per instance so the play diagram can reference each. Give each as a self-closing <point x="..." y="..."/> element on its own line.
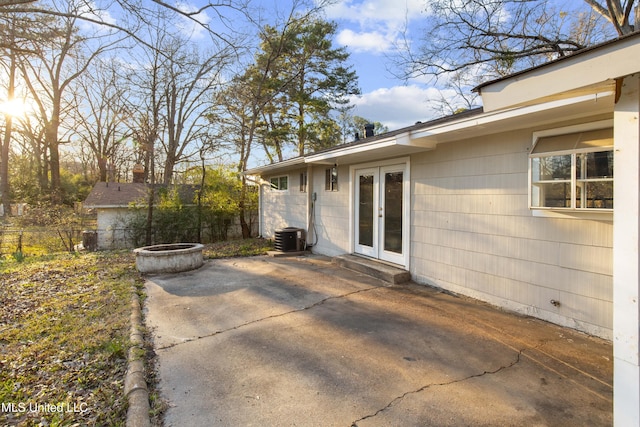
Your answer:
<point x="380" y="209"/>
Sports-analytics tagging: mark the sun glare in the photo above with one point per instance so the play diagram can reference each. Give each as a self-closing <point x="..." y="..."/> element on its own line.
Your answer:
<point x="15" y="107"/>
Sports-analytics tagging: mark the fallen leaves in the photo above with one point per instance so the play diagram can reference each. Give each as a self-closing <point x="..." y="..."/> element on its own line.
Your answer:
<point x="64" y="326"/>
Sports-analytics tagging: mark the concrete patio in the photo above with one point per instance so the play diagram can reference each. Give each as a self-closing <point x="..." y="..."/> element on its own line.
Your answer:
<point x="301" y="341"/>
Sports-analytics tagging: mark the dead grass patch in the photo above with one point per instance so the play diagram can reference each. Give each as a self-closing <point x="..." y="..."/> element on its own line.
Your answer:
<point x="64" y="337"/>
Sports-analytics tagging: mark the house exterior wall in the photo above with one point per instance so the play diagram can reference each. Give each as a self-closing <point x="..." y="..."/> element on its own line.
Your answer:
<point x="332" y="213"/>
<point x="290" y="208"/>
<point x="284" y="208"/>
<point x="111" y="233"/>
<point x="473" y="233"/>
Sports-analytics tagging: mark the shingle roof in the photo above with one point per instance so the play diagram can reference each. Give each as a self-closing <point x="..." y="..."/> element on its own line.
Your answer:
<point x="122" y="194"/>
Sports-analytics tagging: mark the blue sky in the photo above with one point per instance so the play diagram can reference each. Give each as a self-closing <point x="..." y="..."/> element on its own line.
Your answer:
<point x="371" y="30"/>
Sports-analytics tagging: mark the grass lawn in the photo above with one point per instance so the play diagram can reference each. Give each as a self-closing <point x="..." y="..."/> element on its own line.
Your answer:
<point x="237" y="248"/>
<point x="64" y="335"/>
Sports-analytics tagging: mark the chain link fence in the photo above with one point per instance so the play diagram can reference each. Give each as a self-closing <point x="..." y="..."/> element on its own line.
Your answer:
<point x="38" y="241"/>
<point x="42" y="241"/>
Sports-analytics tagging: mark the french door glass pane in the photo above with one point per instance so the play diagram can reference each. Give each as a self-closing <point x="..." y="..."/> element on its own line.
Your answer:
<point x="365" y="217"/>
<point x="393" y="212"/>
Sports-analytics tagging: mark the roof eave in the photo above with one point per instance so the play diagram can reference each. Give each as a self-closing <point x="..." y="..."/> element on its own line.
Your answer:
<point x="591" y="70"/>
<point x="294" y="163"/>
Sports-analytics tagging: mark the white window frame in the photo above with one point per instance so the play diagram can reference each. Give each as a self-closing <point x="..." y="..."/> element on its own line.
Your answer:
<point x="303" y="182"/>
<point x="331" y="178"/>
<point x="582" y="212"/>
<point x="279" y="178"/>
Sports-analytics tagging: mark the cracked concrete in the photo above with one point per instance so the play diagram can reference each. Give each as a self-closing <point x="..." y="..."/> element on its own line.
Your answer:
<point x="274" y="342"/>
<point x="429" y="386"/>
<point x="273" y="316"/>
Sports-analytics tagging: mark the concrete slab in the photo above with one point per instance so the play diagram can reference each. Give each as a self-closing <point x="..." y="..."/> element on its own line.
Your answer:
<point x="300" y="341"/>
<point x="385" y="272"/>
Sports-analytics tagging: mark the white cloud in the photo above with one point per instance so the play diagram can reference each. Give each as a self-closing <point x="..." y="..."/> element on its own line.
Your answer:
<point x="373" y="25"/>
<point x="396" y="107"/>
<point x="371" y="12"/>
<point x="90" y="11"/>
<point x="402" y="106"/>
<point x="192" y="27"/>
<point x="365" y="42"/>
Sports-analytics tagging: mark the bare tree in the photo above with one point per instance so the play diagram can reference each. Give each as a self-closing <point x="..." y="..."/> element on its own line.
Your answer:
<point x="624" y="15"/>
<point x="145" y="104"/>
<point x="136" y="15"/>
<point x="188" y="81"/>
<point x="495" y="38"/>
<point x="100" y="125"/>
<point x="13" y="32"/>
<point x="5" y="187"/>
<point x="61" y="55"/>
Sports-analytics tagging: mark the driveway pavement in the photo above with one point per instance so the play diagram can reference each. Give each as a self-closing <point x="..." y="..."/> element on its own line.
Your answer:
<point x="301" y="342"/>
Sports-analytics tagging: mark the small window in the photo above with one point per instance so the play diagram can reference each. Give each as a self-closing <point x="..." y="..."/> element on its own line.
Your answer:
<point x="331" y="179"/>
<point x="280" y="183"/>
<point x="573" y="171"/>
<point x="303" y="182"/>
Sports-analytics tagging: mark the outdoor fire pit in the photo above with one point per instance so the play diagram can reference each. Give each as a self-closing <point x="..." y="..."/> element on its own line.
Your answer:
<point x="169" y="258"/>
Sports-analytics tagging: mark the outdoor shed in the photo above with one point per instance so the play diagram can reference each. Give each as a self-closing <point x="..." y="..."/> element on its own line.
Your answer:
<point x="114" y="202"/>
<point x="517" y="203"/>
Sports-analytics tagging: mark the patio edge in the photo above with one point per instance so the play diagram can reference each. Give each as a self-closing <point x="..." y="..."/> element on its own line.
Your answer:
<point x="135" y="386"/>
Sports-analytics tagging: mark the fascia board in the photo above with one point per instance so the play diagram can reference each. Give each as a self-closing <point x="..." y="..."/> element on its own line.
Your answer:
<point x="483" y="121"/>
<point x="287" y="164"/>
<point x="355" y="149"/>
<point x="593" y="68"/>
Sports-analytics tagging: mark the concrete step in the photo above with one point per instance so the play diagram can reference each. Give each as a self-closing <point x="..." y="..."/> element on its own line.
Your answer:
<point x="374" y="268"/>
<point x="280" y="254"/>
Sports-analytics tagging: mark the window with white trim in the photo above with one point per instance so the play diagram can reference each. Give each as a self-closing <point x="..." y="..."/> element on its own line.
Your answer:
<point x="331" y="179"/>
<point x="303" y="182"/>
<point x="572" y="171"/>
<point x="279" y="183"/>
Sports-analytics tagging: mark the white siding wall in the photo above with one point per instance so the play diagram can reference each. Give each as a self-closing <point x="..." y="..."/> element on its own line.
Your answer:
<point x="472" y="233"/>
<point x="289" y="209"/>
<point x="110" y="224"/>
<point x="284" y="208"/>
<point x="332" y="213"/>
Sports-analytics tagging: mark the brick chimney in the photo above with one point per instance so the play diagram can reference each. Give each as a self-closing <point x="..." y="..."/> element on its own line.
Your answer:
<point x="138" y="173"/>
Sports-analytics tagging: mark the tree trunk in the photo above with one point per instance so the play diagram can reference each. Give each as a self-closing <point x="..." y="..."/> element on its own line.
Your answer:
<point x="246" y="230"/>
<point x="4" y="167"/>
<point x="54" y="167"/>
<point x="149" y="228"/>
<point x="5" y="187"/>
<point x="102" y="168"/>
